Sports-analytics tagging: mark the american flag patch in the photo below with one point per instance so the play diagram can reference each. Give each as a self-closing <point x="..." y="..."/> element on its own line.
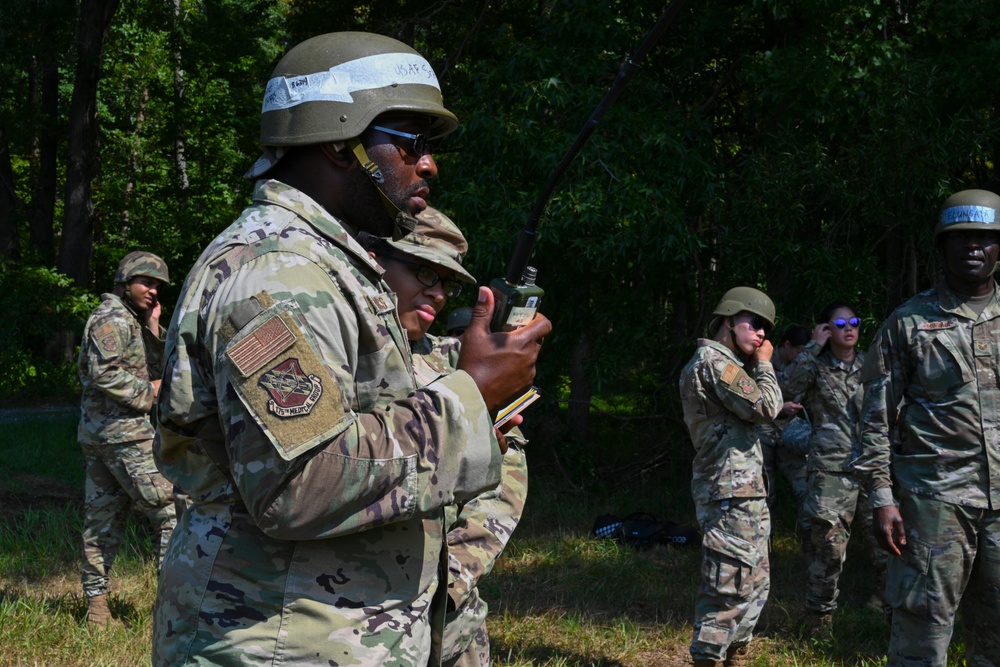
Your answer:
<point x="261" y="346"/>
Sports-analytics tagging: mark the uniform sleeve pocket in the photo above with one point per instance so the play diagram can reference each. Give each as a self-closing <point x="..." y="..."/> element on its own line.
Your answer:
<point x="273" y="366"/>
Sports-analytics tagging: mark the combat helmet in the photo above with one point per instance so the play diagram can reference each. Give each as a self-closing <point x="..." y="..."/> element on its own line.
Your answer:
<point x="331" y="87"/>
<point x="969" y="209"/>
<point x="142" y="263"/>
<point x="740" y="299"/>
<point x="437" y="240"/>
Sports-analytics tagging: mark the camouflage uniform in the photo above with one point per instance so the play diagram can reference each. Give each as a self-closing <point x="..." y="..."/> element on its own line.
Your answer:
<point x="119" y="359"/>
<point x="932" y="413"/>
<point x="478" y="530"/>
<point x="830" y="390"/>
<point x="291" y="416"/>
<point x="722" y="404"/>
<point x="777" y="457"/>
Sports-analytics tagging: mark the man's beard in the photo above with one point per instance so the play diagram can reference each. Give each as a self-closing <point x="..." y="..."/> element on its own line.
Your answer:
<point x="367" y="210"/>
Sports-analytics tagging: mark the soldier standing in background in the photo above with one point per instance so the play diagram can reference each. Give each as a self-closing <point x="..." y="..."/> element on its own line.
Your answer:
<point x="727" y="389"/>
<point x="290" y="414"/>
<point x="827" y="380"/>
<point x="931" y="424"/>
<point x="425" y="269"/>
<point x="121" y="357"/>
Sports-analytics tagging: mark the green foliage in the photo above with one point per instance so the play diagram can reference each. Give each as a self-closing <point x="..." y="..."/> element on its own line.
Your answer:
<point x="800" y="147"/>
<point x="30" y="444"/>
<point x="38" y="303"/>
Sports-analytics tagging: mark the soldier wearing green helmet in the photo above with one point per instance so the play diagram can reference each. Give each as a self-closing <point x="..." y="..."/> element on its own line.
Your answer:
<point x="318" y="468"/>
<point x="929" y="445"/>
<point x="727" y="388"/>
<point x="121" y="356"/>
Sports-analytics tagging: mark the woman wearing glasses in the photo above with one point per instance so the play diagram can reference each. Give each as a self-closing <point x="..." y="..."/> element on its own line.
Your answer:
<point x="727" y="388"/>
<point x="827" y="381"/>
<point x="425" y="270"/>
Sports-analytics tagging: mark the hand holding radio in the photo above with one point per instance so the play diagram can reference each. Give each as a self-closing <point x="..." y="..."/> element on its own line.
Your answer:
<point x="502" y="364"/>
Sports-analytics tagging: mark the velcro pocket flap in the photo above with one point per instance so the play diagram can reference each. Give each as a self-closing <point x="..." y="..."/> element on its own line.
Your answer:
<point x="730" y="545"/>
<point x="277" y="373"/>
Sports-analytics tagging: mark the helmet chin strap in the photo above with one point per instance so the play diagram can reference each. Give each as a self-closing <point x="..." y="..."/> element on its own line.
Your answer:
<point x="403" y="223"/>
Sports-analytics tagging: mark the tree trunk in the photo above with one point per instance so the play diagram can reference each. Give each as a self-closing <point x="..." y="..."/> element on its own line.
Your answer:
<point x="179" y="137"/>
<point x="9" y="247"/>
<point x="41" y="215"/>
<point x="133" y="162"/>
<point x="78" y="225"/>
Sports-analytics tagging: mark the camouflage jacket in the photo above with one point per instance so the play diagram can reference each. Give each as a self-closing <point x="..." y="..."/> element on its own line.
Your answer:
<point x="931" y="410"/>
<point x="477" y="530"/>
<point x="830" y="391"/>
<point x="770" y="433"/>
<point x="119" y="358"/>
<point x="290" y="415"/>
<point x="722" y="404"/>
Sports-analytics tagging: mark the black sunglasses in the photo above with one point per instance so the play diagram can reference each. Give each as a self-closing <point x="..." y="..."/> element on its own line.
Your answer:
<point x="429" y="277"/>
<point x="757" y="322"/>
<point x="421" y="146"/>
<point x="840" y="322"/>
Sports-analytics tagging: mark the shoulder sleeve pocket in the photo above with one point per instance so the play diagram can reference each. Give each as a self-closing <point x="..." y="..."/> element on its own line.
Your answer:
<point x="273" y="366"/>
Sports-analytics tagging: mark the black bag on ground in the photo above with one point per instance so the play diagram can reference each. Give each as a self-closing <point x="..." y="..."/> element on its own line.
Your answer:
<point x="643" y="530"/>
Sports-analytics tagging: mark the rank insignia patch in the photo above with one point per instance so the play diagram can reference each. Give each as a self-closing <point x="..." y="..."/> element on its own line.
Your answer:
<point x="293" y="393"/>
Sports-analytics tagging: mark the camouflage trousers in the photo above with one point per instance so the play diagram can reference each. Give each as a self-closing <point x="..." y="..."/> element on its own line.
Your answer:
<point x="793" y="467"/>
<point x="833" y="502"/>
<point x="951" y="561"/>
<point x="116" y="477"/>
<point x="735" y="574"/>
<point x="476" y="654"/>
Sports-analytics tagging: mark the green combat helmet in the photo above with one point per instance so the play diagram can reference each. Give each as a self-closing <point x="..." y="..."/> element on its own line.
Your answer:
<point x="458" y="321"/>
<point x="437" y="240"/>
<point x="331" y="87"/>
<point x="739" y="299"/>
<point x="969" y="209"/>
<point x="142" y="263"/>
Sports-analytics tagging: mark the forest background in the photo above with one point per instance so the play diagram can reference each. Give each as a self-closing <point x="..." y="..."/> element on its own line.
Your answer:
<point x="801" y="147"/>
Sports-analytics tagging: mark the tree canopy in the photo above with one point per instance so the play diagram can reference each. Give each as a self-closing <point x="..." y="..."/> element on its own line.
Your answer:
<point x="803" y="148"/>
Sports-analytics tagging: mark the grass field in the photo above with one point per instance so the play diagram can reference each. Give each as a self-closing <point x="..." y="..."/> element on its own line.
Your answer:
<point x="558" y="598"/>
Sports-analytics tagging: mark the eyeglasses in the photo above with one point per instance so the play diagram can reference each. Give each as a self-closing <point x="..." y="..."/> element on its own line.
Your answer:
<point x="429" y="277"/>
<point x="421" y="146"/>
<point x="840" y="322"/>
<point x="757" y="322"/>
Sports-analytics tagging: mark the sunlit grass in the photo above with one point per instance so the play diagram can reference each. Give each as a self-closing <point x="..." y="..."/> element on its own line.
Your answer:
<point x="558" y="598"/>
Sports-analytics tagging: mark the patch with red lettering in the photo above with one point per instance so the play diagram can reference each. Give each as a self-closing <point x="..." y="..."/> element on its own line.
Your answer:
<point x="293" y="392"/>
<point x="934" y="326"/>
<point x="741" y="384"/>
<point x="107" y="340"/>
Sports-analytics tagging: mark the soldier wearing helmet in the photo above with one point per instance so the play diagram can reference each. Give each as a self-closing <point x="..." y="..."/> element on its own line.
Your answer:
<point x="931" y="415"/>
<point x="317" y="468"/>
<point x="727" y="389"/>
<point x="425" y="270"/>
<point x="120" y="362"/>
